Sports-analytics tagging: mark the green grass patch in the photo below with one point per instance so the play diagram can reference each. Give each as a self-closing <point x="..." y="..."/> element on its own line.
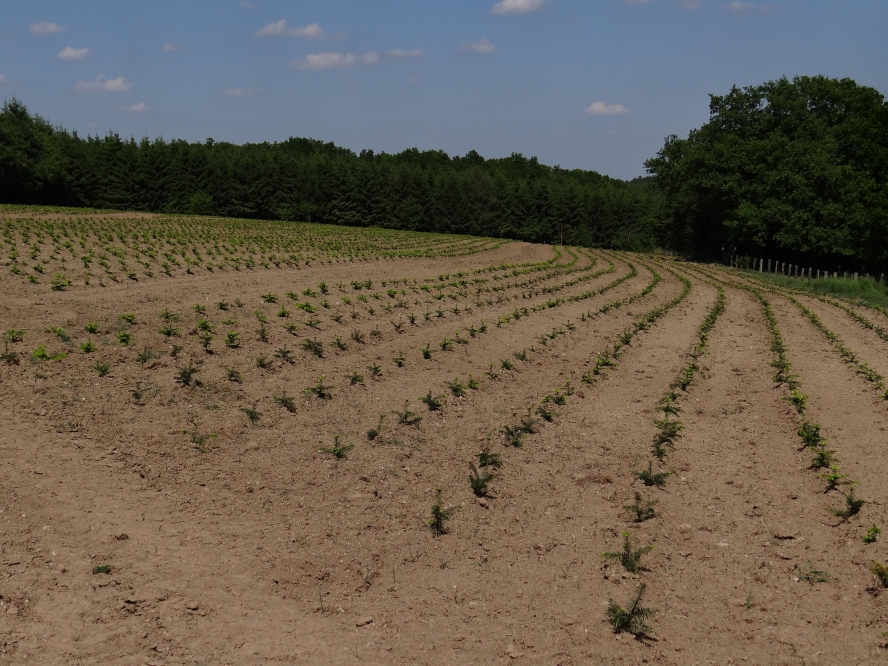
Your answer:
<point x="866" y="289"/>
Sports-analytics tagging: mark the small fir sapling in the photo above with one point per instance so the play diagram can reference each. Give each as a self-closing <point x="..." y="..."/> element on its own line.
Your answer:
<point x="479" y="480"/>
<point x="488" y="459"/>
<point x="633" y="618"/>
<point x="440" y="515"/>
<point x="641" y="509"/>
<point x="252" y="413"/>
<point x="434" y="403"/>
<point x="629" y="558"/>
<point x="650" y="478"/>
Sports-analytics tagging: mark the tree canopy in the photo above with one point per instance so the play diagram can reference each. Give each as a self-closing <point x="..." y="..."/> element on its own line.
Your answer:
<point x="793" y="169"/>
<point x="309" y="180"/>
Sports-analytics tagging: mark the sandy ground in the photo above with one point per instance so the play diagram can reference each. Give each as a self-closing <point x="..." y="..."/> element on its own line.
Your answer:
<point x="231" y="542"/>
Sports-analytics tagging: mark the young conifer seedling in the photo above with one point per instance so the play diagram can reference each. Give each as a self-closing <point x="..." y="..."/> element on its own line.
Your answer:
<point x="15" y="335"/>
<point x="434" y="403"/>
<point x="514" y="435"/>
<point x="314" y="347"/>
<point x="852" y="506"/>
<point x="629" y="558"/>
<point x="232" y="340"/>
<point x="252" y="413"/>
<point x="880" y="571"/>
<point x="286" y="401"/>
<point x="457" y="388"/>
<point x="187" y="376"/>
<point x="12" y="358"/>
<point x="104" y="369"/>
<point x="650" y="478"/>
<point x="834" y="478"/>
<point x="479" y="480"/>
<point x="406" y="417"/>
<point x="488" y="459"/>
<point x="285" y="355"/>
<point x="633" y="618"/>
<point x="320" y="390"/>
<point x="440" y="515"/>
<point x="338" y="450"/>
<point x="641" y="510"/>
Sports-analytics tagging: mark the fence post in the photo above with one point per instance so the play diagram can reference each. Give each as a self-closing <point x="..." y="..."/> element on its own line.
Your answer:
<point x="761" y="261"/>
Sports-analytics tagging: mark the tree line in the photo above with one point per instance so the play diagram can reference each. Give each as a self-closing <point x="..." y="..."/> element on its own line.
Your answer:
<point x="792" y="170"/>
<point x="308" y="180"/>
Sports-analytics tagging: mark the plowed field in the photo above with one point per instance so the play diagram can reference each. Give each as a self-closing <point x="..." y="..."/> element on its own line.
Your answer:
<point x="238" y="463"/>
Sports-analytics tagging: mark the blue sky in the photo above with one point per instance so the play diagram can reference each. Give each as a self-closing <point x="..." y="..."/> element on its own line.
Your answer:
<point x="592" y="84"/>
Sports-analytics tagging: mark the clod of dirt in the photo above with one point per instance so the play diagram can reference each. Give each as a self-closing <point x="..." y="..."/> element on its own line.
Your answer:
<point x="122" y="537"/>
<point x="364" y="621"/>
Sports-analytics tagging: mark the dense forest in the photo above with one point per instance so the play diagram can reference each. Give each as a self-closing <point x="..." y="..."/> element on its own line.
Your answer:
<point x="791" y="170"/>
<point x="308" y="180"/>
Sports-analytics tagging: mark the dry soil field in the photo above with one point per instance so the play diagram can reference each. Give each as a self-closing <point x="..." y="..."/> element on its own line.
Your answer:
<point x="224" y="442"/>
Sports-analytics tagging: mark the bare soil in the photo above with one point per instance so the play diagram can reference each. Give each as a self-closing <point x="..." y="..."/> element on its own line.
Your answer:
<point x="228" y="541"/>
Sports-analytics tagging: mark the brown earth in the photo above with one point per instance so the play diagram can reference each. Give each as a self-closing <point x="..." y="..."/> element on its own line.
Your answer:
<point x="232" y="543"/>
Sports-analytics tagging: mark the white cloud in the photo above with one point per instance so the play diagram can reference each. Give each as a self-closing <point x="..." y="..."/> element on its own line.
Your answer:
<point x="517" y="6"/>
<point x="272" y="29"/>
<point x="172" y="48"/>
<point x="400" y="53"/>
<point x="325" y="60"/>
<point x="141" y="107"/>
<point x="240" y="92"/>
<point x="73" y="54"/>
<point x="3" y="79"/>
<point x="313" y="31"/>
<point x="279" y="28"/>
<point x="101" y="84"/>
<point x="602" y="109"/>
<point x="741" y="8"/>
<point x="481" y="46"/>
<point x="46" y="28"/>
